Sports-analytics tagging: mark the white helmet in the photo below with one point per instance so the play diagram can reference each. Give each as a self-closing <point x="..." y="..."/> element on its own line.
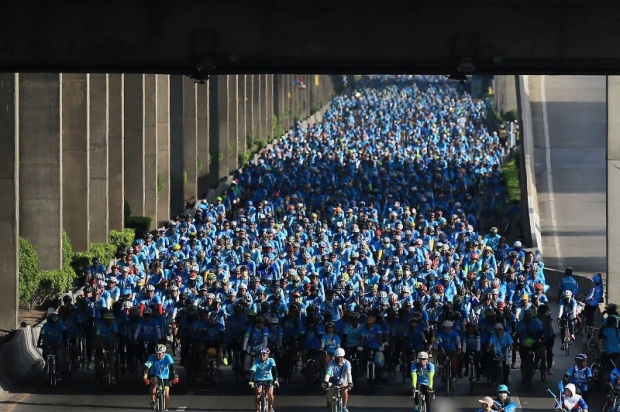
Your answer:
<point x="567" y="294"/>
<point x="517" y="244"/>
<point x="447" y="324"/>
<point x="422" y="355"/>
<point x="339" y="352"/>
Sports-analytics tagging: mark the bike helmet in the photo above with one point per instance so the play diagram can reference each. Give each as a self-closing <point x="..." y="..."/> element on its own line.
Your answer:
<point x="568" y="271"/>
<point x="525" y="297"/>
<point x="264" y="351"/>
<point x="539" y="286"/>
<point x="490" y="313"/>
<point x="66" y="299"/>
<point x="53" y="317"/>
<point x="161" y="348"/>
<point x="581" y="357"/>
<point x="339" y="353"/>
<point x="108" y="316"/>
<point x="503" y="388"/>
<point x="150" y="288"/>
<point x="447" y="324"/>
<point x="147" y="311"/>
<point x="597" y="278"/>
<point x="273" y="320"/>
<point x="567" y="294"/>
<point x="611" y="307"/>
<point x="213" y="317"/>
<point x="422" y="355"/>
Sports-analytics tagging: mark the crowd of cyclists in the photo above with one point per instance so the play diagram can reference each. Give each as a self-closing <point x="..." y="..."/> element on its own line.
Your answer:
<point x="354" y="251"/>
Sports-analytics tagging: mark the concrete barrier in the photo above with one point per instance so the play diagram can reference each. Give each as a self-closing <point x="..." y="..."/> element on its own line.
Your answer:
<point x="20" y="358"/>
<point x="527" y="138"/>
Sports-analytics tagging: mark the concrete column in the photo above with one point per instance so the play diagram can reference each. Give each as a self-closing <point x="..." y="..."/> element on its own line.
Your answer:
<point x="257" y="129"/>
<point x="176" y="144"/>
<point x="150" y="147"/>
<point x="218" y="108"/>
<point x="75" y="158"/>
<point x="613" y="183"/>
<point x="269" y="104"/>
<point x="242" y="135"/>
<point x="233" y="121"/>
<point x="40" y="166"/>
<point x="263" y="114"/>
<point x="116" y="152"/>
<point x="163" y="146"/>
<point x="134" y="143"/>
<point x="9" y="207"/>
<point x="202" y="130"/>
<point x="190" y="143"/>
<point x="98" y="193"/>
<point x="223" y="94"/>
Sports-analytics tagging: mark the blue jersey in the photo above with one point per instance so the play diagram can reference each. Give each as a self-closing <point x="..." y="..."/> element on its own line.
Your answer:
<point x="104" y="332"/>
<point x="255" y="336"/>
<point x="423" y="373"/>
<point x="579" y="377"/>
<point x="337" y="371"/>
<point x="372" y="336"/>
<point x="52" y="335"/>
<point x="262" y="370"/>
<point x="159" y="367"/>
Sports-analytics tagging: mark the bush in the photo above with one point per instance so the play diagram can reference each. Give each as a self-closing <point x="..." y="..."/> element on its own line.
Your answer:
<point x="122" y="239"/>
<point x="141" y="224"/>
<point x="511" y="115"/>
<point x="510" y="173"/>
<point x="28" y="271"/>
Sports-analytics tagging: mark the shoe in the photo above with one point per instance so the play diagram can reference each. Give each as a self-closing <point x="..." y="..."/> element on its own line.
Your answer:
<point x="513" y="366"/>
<point x="153" y="404"/>
<point x="91" y="366"/>
<point x="572" y="337"/>
<point x="344" y="409"/>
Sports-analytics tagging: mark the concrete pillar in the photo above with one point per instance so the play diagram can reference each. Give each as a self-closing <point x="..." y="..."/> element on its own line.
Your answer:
<point x="190" y="143"/>
<point x="613" y="194"/>
<point x="257" y="130"/>
<point x="163" y="146"/>
<point x="134" y="143"/>
<point x="75" y="158"/>
<point x="233" y="121"/>
<point x="98" y="124"/>
<point x="263" y="114"/>
<point x="9" y="207"/>
<point x="202" y="131"/>
<point x="242" y="123"/>
<point x="150" y="147"/>
<point x="176" y="144"/>
<point x="269" y="108"/>
<point x="40" y="166"/>
<point x="218" y="128"/>
<point x="116" y="152"/>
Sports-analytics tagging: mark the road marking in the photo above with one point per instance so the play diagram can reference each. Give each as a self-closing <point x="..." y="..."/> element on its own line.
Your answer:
<point x="181" y="408"/>
<point x="554" y="222"/>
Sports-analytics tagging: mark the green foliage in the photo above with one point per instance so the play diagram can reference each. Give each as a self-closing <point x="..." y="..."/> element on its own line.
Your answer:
<point x="244" y="158"/>
<point x="185" y="177"/>
<point x="288" y="114"/>
<point x="511" y="115"/>
<point x="141" y="224"/>
<point x="199" y="165"/>
<point x="160" y="184"/>
<point x="277" y="129"/>
<point x="28" y="271"/>
<point x="122" y="239"/>
<point x="510" y="174"/>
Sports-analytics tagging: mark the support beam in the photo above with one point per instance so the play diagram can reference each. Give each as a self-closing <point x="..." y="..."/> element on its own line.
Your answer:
<point x="134" y="143"/>
<point x="150" y="148"/>
<point x="223" y="131"/>
<point x="40" y="166"/>
<point x="241" y="119"/>
<point x="9" y="207"/>
<point x="269" y="104"/>
<point x="202" y="130"/>
<point x="75" y="158"/>
<point x="233" y="121"/>
<point x="98" y="146"/>
<point x="190" y="143"/>
<point x="613" y="183"/>
<point x="176" y="144"/>
<point x="163" y="147"/>
<point x="116" y="151"/>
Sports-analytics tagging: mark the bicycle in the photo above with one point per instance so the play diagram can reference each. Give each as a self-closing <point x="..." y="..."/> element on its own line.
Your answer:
<point x="446" y="372"/>
<point x="470" y="369"/>
<point x="209" y="366"/>
<point x="370" y="370"/>
<point x="541" y="356"/>
<point x="263" y="401"/>
<point x="338" y="404"/>
<point x="106" y="373"/>
<point x="527" y="367"/>
<point x="612" y="401"/>
<point x="51" y="368"/>
<point x="82" y="352"/>
<point x="160" y="394"/>
<point x="590" y="346"/>
<point x="566" y="337"/>
<point x="355" y="365"/>
<point x="422" y="399"/>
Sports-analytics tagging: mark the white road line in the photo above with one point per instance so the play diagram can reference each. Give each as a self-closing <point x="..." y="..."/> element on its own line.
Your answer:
<point x="181" y="408"/>
<point x="554" y="222"/>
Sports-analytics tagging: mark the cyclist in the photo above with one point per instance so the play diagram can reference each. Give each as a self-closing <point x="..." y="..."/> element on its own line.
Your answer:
<point x="580" y="375"/>
<point x="106" y="338"/>
<point x="448" y="343"/>
<point x="160" y="365"/>
<point x="571" y="400"/>
<point x="568" y="282"/>
<point x="548" y="334"/>
<point x="338" y="373"/>
<point x="503" y="399"/>
<point x="529" y="330"/>
<point x="264" y="371"/>
<point x="594" y="298"/>
<point x="568" y="312"/>
<point x="425" y="370"/>
<point x="610" y="337"/>
<point x="255" y="338"/>
<point x="54" y="337"/>
<point x="147" y="329"/>
<point x="501" y="345"/>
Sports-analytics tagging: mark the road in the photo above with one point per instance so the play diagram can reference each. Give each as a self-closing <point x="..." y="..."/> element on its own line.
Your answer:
<point x="572" y="123"/>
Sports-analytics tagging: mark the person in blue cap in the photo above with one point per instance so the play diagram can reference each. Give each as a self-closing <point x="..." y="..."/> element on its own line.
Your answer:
<point x="594" y="298"/>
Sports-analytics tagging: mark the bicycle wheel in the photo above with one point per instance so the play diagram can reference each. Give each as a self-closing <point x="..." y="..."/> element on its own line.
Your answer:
<point x="161" y="400"/>
<point x="422" y="404"/>
<point x="51" y="370"/>
<point x="370" y="376"/>
<point x="567" y="345"/>
<point x="264" y="405"/>
<point x="448" y="369"/>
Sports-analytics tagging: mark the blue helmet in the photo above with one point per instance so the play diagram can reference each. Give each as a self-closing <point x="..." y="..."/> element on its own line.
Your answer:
<point x="597" y="279"/>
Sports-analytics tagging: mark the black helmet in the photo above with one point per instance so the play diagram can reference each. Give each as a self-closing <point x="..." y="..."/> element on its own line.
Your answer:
<point x="568" y="271"/>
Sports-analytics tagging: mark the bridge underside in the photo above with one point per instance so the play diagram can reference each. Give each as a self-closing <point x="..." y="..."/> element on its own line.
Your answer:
<point x="311" y="36"/>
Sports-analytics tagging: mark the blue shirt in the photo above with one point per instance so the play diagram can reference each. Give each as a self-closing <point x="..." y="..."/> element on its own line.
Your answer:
<point x="423" y="372"/>
<point x="159" y="367"/>
<point x="262" y="370"/>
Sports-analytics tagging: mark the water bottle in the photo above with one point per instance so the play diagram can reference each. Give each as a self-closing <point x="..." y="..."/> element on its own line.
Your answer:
<point x="508" y="354"/>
